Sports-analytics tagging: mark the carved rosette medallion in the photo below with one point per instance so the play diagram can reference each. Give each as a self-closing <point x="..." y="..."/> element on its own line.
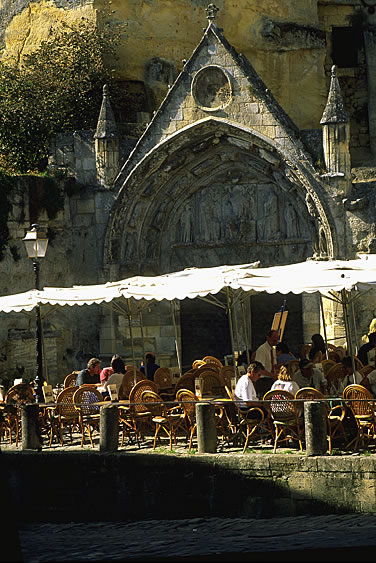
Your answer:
<point x="211" y="88"/>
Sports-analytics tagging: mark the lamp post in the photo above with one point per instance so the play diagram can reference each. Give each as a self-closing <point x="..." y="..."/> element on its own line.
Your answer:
<point x="36" y="243"/>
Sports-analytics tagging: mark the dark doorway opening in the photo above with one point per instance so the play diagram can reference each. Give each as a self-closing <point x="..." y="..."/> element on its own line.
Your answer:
<point x="204" y="331"/>
<point x="345" y="45"/>
<point x="263" y="308"/>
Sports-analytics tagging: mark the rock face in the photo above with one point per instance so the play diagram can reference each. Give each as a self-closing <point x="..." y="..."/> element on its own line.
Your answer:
<point x="230" y="168"/>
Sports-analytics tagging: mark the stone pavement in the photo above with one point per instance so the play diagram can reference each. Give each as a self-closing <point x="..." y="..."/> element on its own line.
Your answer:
<point x="335" y="537"/>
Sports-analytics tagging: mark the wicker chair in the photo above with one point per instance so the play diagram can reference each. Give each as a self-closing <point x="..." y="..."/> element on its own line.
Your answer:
<point x="227" y="373"/>
<point x="163" y="379"/>
<point x="366" y="370"/>
<point x="250" y="421"/>
<point x="214" y="363"/>
<point x="167" y="419"/>
<point x="16" y="396"/>
<point x="70" y="379"/>
<point x="362" y="404"/>
<point x="187" y="400"/>
<point x="84" y="399"/>
<point x="186" y="381"/>
<point x="64" y="415"/>
<point x="335" y="415"/>
<point x="333" y="377"/>
<point x="139" y="413"/>
<point x="212" y="384"/>
<point x="286" y="417"/>
<point x="326" y="365"/>
<point x="128" y="383"/>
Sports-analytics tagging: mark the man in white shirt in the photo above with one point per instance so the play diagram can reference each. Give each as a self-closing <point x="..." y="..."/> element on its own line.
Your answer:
<point x="266" y="355"/>
<point x="245" y="390"/>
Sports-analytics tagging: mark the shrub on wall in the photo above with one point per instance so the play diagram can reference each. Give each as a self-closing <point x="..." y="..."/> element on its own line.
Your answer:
<point x="56" y="88"/>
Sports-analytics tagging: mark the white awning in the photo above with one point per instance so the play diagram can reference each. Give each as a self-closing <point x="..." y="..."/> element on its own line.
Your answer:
<point x="305" y="277"/>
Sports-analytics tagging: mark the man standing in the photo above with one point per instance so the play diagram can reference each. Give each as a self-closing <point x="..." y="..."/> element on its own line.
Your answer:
<point x="90" y="374"/>
<point x="266" y="355"/>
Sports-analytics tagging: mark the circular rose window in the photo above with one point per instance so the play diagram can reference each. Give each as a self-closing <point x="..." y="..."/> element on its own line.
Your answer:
<point x="211" y="88"/>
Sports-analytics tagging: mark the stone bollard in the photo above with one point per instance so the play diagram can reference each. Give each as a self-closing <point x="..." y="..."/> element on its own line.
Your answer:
<point x="109" y="428"/>
<point x="31" y="437"/>
<point x="206" y="428"/>
<point x="315" y="428"/>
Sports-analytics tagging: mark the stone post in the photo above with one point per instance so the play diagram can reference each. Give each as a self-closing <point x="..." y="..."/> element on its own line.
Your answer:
<point x="109" y="428"/>
<point x="31" y="437"/>
<point x="315" y="427"/>
<point x="206" y="428"/>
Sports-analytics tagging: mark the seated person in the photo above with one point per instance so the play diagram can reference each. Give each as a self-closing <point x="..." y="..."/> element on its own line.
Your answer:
<point x="364" y="351"/>
<point x="150" y="366"/>
<point x="318" y="345"/>
<point x="245" y="390"/>
<point x="283" y="353"/>
<point x="308" y="376"/>
<point x="286" y="380"/>
<point x="369" y="382"/>
<point x="116" y="377"/>
<point x="90" y="374"/>
<point x="349" y="375"/>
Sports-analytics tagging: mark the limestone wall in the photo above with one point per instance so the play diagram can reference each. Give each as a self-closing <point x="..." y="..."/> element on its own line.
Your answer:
<point x="138" y="486"/>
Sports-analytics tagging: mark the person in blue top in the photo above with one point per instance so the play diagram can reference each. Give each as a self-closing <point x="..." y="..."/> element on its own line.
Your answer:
<point x="150" y="367"/>
<point x="283" y="353"/>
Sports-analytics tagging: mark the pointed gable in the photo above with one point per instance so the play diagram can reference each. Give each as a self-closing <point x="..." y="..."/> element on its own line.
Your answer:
<point x="217" y="82"/>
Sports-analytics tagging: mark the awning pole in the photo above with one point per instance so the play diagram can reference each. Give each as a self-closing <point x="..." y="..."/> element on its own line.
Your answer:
<point x="229" y="313"/>
<point x="142" y="335"/>
<point x="236" y="331"/>
<point x="355" y="327"/>
<point x="172" y="303"/>
<point x="347" y="328"/>
<point x="245" y="328"/>
<point x="132" y="344"/>
<point x="324" y="325"/>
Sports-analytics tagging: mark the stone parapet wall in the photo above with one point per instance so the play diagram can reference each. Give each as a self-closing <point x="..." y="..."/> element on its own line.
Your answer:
<point x="134" y="486"/>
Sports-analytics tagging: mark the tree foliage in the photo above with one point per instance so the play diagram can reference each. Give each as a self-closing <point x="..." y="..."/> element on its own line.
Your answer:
<point x="56" y="88"/>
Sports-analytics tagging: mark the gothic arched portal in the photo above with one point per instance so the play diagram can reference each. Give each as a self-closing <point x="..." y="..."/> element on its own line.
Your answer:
<point x="216" y="194"/>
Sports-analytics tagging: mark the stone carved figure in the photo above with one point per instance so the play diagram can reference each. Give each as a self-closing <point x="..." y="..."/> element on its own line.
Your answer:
<point x="270" y="218"/>
<point x="186" y="234"/>
<point x="292" y="222"/>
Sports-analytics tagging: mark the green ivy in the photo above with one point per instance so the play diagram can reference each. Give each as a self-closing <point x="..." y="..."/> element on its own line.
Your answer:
<point x="6" y="186"/>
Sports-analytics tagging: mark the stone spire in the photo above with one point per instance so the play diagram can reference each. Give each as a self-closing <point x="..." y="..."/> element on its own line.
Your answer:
<point x="106" y="126"/>
<point x="336" y="138"/>
<point x="106" y="143"/>
<point x="334" y="111"/>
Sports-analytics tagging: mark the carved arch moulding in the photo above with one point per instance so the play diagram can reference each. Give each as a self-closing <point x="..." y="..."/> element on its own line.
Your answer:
<point x="213" y="194"/>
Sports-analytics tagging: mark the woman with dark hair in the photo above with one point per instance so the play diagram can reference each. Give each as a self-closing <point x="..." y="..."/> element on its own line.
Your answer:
<point x="318" y="345"/>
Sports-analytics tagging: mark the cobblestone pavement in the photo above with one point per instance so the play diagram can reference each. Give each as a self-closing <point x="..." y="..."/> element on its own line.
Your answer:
<point x="336" y="537"/>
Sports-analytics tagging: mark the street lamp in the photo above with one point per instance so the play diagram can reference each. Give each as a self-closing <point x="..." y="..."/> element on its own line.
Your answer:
<point x="36" y="243"/>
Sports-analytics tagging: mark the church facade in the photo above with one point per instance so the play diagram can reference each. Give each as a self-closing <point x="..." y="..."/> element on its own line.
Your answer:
<point x="221" y="174"/>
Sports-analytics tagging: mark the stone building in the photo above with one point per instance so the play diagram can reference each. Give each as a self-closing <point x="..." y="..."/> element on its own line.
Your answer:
<point x="222" y="172"/>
